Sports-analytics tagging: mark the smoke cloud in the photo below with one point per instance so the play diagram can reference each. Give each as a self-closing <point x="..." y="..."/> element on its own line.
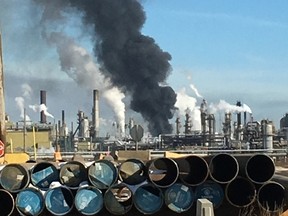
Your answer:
<point x="132" y="61"/>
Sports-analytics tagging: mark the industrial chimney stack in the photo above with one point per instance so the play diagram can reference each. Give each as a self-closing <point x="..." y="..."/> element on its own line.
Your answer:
<point x="43" y="101"/>
<point x="95" y="113"/>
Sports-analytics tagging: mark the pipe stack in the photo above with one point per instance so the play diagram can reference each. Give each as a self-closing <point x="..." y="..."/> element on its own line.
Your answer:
<point x="235" y="184"/>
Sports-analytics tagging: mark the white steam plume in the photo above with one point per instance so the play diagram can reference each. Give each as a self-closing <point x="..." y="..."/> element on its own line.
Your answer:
<point x="223" y="105"/>
<point x="40" y="108"/>
<point x="20" y="101"/>
<point x="185" y="102"/>
<point x="79" y="65"/>
<point x="114" y="98"/>
<point x="196" y="91"/>
<point x="21" y="106"/>
<point x="27" y="90"/>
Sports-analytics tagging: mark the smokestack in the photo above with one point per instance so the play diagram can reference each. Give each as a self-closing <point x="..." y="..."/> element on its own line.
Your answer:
<point x="238" y="115"/>
<point x="63" y="117"/>
<point x="2" y="101"/>
<point x="43" y="101"/>
<point x="95" y="113"/>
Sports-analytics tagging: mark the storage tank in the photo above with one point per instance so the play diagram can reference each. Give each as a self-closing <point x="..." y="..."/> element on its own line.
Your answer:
<point x="267" y="135"/>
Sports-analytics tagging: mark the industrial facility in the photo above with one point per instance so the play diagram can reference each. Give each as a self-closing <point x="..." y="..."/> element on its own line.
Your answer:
<point x="239" y="131"/>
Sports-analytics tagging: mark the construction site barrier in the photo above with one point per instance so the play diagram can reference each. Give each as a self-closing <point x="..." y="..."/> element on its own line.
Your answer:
<point x="240" y="192"/>
<point x="30" y="201"/>
<point x="132" y="172"/>
<point x="89" y="200"/>
<point x="102" y="173"/>
<point x="118" y="199"/>
<point x="14" y="177"/>
<point x="179" y="197"/>
<point x="59" y="200"/>
<point x="163" y="172"/>
<point x="148" y="199"/>
<point x="43" y="174"/>
<point x="72" y="174"/>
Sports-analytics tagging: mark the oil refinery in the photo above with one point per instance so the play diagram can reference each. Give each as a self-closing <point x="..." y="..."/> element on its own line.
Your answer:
<point x="239" y="131"/>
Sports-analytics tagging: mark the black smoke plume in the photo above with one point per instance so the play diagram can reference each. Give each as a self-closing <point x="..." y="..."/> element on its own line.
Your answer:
<point x="133" y="61"/>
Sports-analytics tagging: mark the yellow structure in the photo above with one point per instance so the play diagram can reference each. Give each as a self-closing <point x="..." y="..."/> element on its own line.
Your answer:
<point x="15" y="158"/>
<point x="15" y="140"/>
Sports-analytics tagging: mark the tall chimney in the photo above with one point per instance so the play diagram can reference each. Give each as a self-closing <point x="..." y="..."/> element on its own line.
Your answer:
<point x="2" y="100"/>
<point x="238" y="114"/>
<point x="63" y="118"/>
<point x="43" y="101"/>
<point x="95" y="113"/>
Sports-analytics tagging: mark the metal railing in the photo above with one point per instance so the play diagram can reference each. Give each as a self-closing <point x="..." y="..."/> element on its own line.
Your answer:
<point x="90" y="155"/>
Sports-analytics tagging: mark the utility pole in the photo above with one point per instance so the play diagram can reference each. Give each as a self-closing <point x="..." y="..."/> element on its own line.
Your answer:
<point x="2" y="100"/>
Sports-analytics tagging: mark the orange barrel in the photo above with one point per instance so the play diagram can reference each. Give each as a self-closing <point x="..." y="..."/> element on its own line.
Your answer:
<point x="163" y="172"/>
<point x="240" y="192"/>
<point x="102" y="174"/>
<point x="14" y="177"/>
<point x="72" y="174"/>
<point x="88" y="200"/>
<point x="118" y="199"/>
<point x="7" y="204"/>
<point x="30" y="201"/>
<point x="43" y="174"/>
<point x="212" y="191"/>
<point x="148" y="199"/>
<point x="132" y="171"/>
<point x="59" y="200"/>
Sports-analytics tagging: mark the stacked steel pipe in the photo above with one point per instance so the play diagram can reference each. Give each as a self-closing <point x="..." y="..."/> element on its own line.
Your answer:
<point x="162" y="186"/>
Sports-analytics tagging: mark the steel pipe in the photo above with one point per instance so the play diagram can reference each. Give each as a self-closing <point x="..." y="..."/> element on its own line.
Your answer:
<point x="59" y="200"/>
<point x="14" y="177"/>
<point x="7" y="203"/>
<point x="72" y="174"/>
<point x="258" y="168"/>
<point x="30" y="201"/>
<point x="240" y="192"/>
<point x="43" y="174"/>
<point x="102" y="174"/>
<point x="163" y="172"/>
<point x="283" y="180"/>
<point x="179" y="197"/>
<point x="271" y="197"/>
<point x="118" y="199"/>
<point x="212" y="191"/>
<point x="223" y="167"/>
<point x="88" y="200"/>
<point x="148" y="199"/>
<point x="193" y="170"/>
<point x="132" y="172"/>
